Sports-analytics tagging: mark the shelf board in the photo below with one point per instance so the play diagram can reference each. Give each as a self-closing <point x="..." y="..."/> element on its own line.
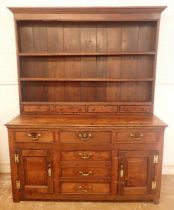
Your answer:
<point x="86" y="103"/>
<point x="41" y="79"/>
<point x="45" y="54"/>
<point x="75" y="103"/>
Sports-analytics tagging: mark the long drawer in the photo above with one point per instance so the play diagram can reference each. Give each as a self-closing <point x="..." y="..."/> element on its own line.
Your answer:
<point x="85" y="155"/>
<point x="39" y="136"/>
<point x="85" y="137"/>
<point x="85" y="172"/>
<point x="136" y="135"/>
<point x="85" y="188"/>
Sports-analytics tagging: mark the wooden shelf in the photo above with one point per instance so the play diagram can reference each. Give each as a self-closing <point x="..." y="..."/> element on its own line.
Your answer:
<point x="44" y="54"/>
<point x="85" y="103"/>
<point x="83" y="80"/>
<point x="89" y="62"/>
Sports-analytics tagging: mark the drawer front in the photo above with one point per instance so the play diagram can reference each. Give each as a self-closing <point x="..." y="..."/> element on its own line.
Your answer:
<point x="136" y="136"/>
<point x="85" y="172"/>
<point x="85" y="155"/>
<point x="85" y="137"/>
<point x="106" y="109"/>
<point x="85" y="188"/>
<point x="70" y="109"/>
<point x="131" y="108"/>
<point x="38" y="108"/>
<point x="34" y="136"/>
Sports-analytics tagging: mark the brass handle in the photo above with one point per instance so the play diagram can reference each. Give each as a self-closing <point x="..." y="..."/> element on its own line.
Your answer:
<point x="84" y="189"/>
<point x="34" y="136"/>
<point x="49" y="170"/>
<point x="85" y="174"/>
<point x="136" y="137"/>
<point x="85" y="155"/>
<point x="121" y="171"/>
<point x="85" y="136"/>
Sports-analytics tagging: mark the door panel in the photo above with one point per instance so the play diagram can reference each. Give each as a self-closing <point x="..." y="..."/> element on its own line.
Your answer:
<point x="35" y="171"/>
<point x="136" y="172"/>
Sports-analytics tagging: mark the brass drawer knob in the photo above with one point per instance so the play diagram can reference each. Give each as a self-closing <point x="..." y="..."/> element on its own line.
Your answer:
<point x="82" y="173"/>
<point x="85" y="136"/>
<point x="85" y="155"/>
<point x="34" y="136"/>
<point x="136" y="137"/>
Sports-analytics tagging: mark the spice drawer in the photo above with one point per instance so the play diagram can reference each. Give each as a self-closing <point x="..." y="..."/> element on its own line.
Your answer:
<point x="136" y="136"/>
<point x="85" y="155"/>
<point x="30" y="109"/>
<point x="31" y="136"/>
<point x="85" y="137"/>
<point x="85" y="188"/>
<point x="102" y="109"/>
<point x="138" y="109"/>
<point x="70" y="109"/>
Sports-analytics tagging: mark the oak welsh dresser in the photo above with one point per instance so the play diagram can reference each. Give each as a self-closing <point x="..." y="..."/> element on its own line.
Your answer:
<point x="86" y="129"/>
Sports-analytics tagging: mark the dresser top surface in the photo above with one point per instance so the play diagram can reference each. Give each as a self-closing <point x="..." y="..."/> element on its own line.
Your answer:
<point x="85" y="120"/>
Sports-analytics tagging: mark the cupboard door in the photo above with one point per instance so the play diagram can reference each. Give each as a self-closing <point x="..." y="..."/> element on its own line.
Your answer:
<point x="35" y="169"/>
<point x="136" y="172"/>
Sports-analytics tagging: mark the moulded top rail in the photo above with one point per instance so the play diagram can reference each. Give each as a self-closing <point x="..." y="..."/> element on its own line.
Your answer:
<point x="80" y="13"/>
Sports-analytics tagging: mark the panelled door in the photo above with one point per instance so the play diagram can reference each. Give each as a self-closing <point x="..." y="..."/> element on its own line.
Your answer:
<point x="136" y="172"/>
<point x="35" y="170"/>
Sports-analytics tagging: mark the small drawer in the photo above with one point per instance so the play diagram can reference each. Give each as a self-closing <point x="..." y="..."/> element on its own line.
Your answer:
<point x="106" y="109"/>
<point x="85" y="155"/>
<point x="85" y="188"/>
<point x="70" y="109"/>
<point x="85" y="137"/>
<point x="136" y="136"/>
<point x="38" y="108"/>
<point x="85" y="172"/>
<point x="34" y="136"/>
<point x="132" y="108"/>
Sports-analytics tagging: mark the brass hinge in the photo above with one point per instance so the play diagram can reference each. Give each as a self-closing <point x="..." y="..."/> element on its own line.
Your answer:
<point x="155" y="159"/>
<point x="16" y="157"/>
<point x="153" y="185"/>
<point x="18" y="185"/>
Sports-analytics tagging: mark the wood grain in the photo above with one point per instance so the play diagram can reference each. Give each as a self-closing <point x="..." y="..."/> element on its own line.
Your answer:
<point x="86" y="130"/>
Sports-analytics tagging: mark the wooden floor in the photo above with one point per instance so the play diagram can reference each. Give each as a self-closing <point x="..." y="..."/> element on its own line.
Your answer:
<point x="6" y="203"/>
